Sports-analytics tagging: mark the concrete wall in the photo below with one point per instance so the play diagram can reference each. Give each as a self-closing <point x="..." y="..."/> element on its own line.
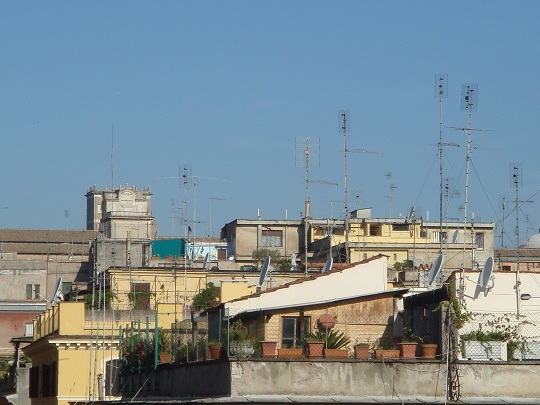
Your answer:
<point x="373" y="379"/>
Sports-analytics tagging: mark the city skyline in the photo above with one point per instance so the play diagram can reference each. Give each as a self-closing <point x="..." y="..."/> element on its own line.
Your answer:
<point x="108" y="94"/>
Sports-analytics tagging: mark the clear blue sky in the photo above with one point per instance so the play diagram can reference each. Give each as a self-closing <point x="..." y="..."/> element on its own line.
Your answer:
<point x="226" y="88"/>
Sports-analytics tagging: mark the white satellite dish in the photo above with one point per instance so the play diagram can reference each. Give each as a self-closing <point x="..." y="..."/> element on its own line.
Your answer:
<point x="57" y="295"/>
<point x="328" y="265"/>
<point x="435" y="270"/>
<point x="487" y="273"/>
<point x="264" y="271"/>
<point x="205" y="261"/>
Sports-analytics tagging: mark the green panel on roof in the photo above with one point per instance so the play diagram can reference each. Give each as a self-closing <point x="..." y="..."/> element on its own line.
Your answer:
<point x="168" y="247"/>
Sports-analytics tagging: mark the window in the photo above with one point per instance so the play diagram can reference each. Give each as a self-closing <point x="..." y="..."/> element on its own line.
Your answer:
<point x="440" y="236"/>
<point x="140" y="296"/>
<point x="271" y="238"/>
<point x="400" y="227"/>
<point x="292" y="332"/>
<point x="479" y="240"/>
<point x="375" y="230"/>
<point x="32" y="291"/>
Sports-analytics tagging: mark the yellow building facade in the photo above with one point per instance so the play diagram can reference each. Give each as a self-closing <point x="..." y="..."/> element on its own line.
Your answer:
<point x="72" y="356"/>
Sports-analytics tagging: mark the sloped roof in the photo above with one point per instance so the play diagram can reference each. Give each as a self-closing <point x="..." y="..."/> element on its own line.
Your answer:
<point x="43" y="241"/>
<point x="356" y="280"/>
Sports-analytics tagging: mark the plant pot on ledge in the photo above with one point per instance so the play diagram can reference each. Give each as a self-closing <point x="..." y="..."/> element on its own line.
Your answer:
<point x="268" y="349"/>
<point x="336" y="353"/>
<point x="383" y="354"/>
<point x="429" y="351"/>
<point x="290" y="353"/>
<point x="361" y="352"/>
<point x="315" y="349"/>
<point x="215" y="351"/>
<point x="407" y="350"/>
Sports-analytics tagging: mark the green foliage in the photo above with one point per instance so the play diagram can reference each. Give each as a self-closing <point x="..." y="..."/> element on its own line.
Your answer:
<point x="135" y="354"/>
<point x="459" y="313"/>
<point x="482" y="336"/>
<point x="362" y="344"/>
<point x="164" y="341"/>
<point x="404" y="265"/>
<point x="283" y="264"/>
<point x="259" y="255"/>
<point x="238" y="331"/>
<point x="334" y="339"/>
<point x="206" y="297"/>
<point x="410" y="337"/>
<point x="97" y="299"/>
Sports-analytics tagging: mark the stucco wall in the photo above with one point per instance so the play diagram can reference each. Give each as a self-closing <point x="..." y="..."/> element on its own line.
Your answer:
<point x="391" y="379"/>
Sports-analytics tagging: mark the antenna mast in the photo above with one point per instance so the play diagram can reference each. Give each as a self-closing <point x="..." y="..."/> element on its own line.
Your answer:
<point x="517" y="173"/>
<point x="112" y="157"/>
<point x="307" y="155"/>
<point x="469" y="97"/>
<point x="183" y="176"/>
<point x="344" y="121"/>
<point x="344" y="127"/>
<point x="441" y="90"/>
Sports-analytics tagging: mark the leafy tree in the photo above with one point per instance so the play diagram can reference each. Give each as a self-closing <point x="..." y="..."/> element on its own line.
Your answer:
<point x="260" y="254"/>
<point x="206" y="296"/>
<point x="284" y="264"/>
<point x="98" y="299"/>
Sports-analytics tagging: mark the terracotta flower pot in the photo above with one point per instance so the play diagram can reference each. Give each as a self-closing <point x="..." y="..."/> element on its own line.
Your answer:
<point x="315" y="349"/>
<point x="336" y="353"/>
<point x="386" y="354"/>
<point x="268" y="349"/>
<point x="361" y="352"/>
<point x="407" y="350"/>
<point x="215" y="351"/>
<point x="290" y="353"/>
<point x="429" y="351"/>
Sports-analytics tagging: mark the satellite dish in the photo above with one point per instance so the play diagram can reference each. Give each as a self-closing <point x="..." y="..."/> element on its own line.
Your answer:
<point x="435" y="269"/>
<point x="205" y="261"/>
<point x="264" y="271"/>
<point x="328" y="265"/>
<point x="411" y="213"/>
<point x="487" y="273"/>
<point x="57" y="295"/>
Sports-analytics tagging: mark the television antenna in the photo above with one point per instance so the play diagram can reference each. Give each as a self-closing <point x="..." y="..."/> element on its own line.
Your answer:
<point x="517" y="175"/>
<point x="307" y="155"/>
<point x="441" y="91"/>
<point x="344" y="127"/>
<point x="469" y="101"/>
<point x="210" y="233"/>
<point x="391" y="187"/>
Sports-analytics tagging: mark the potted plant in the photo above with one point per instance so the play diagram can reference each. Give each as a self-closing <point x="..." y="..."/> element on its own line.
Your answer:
<point x="268" y="348"/>
<point x="314" y="343"/>
<point x="335" y="343"/>
<point x="296" y="352"/>
<point x="361" y="350"/>
<point x="240" y="343"/>
<point x="164" y="345"/>
<point x="408" y="344"/>
<point x="214" y="347"/>
<point x="480" y="345"/>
